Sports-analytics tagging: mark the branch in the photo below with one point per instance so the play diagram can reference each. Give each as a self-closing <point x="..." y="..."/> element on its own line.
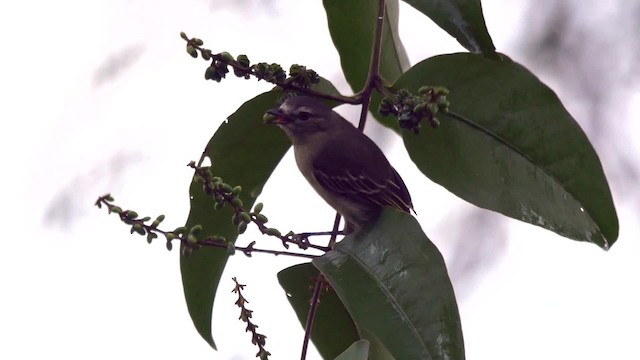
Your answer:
<point x="226" y="194"/>
<point x="315" y="299"/>
<point x="243" y="69"/>
<point x="246" y="315"/>
<point x="373" y="77"/>
<point x="187" y="238"/>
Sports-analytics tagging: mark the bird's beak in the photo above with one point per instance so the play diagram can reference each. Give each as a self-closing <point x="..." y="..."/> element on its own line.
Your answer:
<point x="276" y="116"/>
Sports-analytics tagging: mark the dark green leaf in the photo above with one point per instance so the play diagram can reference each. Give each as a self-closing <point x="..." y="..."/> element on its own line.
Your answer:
<point x="517" y="150"/>
<point x="377" y="351"/>
<point x="394" y="283"/>
<point x="243" y="151"/>
<point x="333" y="329"/>
<point x="462" y="19"/>
<point x="352" y="28"/>
<point x="359" y="350"/>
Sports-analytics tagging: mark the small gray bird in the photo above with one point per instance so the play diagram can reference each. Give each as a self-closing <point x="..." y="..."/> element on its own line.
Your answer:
<point x="346" y="168"/>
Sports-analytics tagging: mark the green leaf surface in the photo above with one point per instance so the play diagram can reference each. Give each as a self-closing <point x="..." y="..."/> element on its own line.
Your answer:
<point x="359" y="350"/>
<point x="352" y="28"/>
<point x="243" y="151"/>
<point x="333" y="329"/>
<point x="377" y="350"/>
<point x="394" y="283"/>
<point x="516" y="150"/>
<point x="462" y="19"/>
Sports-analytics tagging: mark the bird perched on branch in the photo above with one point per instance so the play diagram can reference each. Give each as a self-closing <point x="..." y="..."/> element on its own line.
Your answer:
<point x="346" y="168"/>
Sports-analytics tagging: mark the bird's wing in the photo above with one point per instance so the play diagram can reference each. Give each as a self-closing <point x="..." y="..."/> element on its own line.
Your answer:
<point x="340" y="170"/>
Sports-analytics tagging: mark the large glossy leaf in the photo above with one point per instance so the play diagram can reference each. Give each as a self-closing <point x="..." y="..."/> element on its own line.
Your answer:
<point x="359" y="350"/>
<point x="333" y="329"/>
<point x="519" y="152"/>
<point x="394" y="283"/>
<point x="243" y="151"/>
<point x="352" y="27"/>
<point x="462" y="19"/>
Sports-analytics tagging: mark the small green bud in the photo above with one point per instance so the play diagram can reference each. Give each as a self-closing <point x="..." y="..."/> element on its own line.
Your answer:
<point x="261" y="219"/>
<point x="145" y="219"/>
<point x="169" y="245"/>
<point x="198" y="42"/>
<point x="272" y="232"/>
<point x="218" y="205"/>
<point x="245" y="217"/>
<point x="231" y="249"/>
<point x="199" y="179"/>
<point x="186" y="251"/>
<point x="181" y="230"/>
<point x="116" y="209"/>
<point x="195" y="230"/>
<point x="210" y="73"/>
<point x="236" y="190"/>
<point x="226" y="57"/>
<point x="183" y="35"/>
<point x="192" y="240"/>
<point x="235" y="219"/>
<point x="151" y="236"/>
<point x="419" y="108"/>
<point x="226" y="188"/>
<point x="240" y="73"/>
<point x="442" y="91"/>
<point x="138" y="229"/>
<point x="192" y="51"/>
<point x="443" y="105"/>
<point x="170" y="236"/>
<point x="108" y="197"/>
<point x="206" y="54"/>
<point x="268" y="118"/>
<point x="131" y="214"/>
<point x="236" y="202"/>
<point x="242" y="227"/>
<point x="160" y="218"/>
<point x="258" y="208"/>
<point x="425" y="89"/>
<point x="243" y="60"/>
<point x="207" y="173"/>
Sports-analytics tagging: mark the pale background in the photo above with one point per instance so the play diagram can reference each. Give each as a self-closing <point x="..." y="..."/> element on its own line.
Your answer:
<point x="99" y="96"/>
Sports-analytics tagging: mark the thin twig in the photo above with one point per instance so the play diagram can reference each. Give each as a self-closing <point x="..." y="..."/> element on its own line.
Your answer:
<point x="285" y="85"/>
<point x="373" y="77"/>
<point x="216" y="189"/>
<point x="315" y="299"/>
<point x="209" y="241"/>
<point x="246" y="315"/>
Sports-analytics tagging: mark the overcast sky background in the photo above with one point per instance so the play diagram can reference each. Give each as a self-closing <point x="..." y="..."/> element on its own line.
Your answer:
<point x="99" y="96"/>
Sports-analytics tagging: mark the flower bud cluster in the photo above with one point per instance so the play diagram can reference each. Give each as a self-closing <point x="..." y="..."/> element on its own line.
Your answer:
<point x="411" y="109"/>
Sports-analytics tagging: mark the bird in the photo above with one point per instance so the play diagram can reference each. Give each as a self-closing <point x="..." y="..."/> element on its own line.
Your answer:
<point x="344" y="166"/>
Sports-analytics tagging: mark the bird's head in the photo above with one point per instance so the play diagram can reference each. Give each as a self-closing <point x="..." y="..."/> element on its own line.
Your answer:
<point x="303" y="117"/>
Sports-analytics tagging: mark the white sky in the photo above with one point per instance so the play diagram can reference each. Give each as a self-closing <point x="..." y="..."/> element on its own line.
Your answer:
<point x="88" y="289"/>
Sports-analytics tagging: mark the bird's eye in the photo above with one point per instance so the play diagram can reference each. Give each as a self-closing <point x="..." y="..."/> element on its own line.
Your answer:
<point x="303" y="115"/>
